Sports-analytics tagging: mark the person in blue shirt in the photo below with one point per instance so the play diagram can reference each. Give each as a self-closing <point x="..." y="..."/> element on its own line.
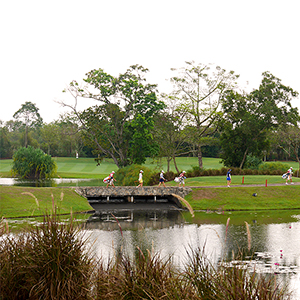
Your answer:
<point x="228" y="178"/>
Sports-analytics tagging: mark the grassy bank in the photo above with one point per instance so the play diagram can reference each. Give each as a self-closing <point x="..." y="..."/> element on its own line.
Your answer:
<point x="241" y="198"/>
<point x="236" y="180"/>
<point x="26" y="201"/>
<point x="14" y="203"/>
<point x="31" y="201"/>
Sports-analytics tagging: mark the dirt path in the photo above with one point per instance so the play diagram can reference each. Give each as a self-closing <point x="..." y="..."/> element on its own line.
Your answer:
<point x="241" y="185"/>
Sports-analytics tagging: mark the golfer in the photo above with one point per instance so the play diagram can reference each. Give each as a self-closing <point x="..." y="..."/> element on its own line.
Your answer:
<point x="289" y="175"/>
<point x="110" y="179"/>
<point x="228" y="178"/>
<point x="140" y="178"/>
<point x="162" y="179"/>
<point x="181" y="178"/>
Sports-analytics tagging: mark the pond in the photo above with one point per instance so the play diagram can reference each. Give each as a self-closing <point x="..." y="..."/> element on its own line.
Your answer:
<point x="268" y="240"/>
<point x="272" y="237"/>
<point x="51" y="183"/>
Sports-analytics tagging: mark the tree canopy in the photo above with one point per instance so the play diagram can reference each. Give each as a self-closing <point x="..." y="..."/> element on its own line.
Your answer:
<point x="122" y="123"/>
<point x="200" y="90"/>
<point x="28" y="116"/>
<point x="249" y="117"/>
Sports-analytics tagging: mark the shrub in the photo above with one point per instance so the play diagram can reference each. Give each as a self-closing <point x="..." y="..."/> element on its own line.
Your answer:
<point x="30" y="163"/>
<point x="128" y="176"/>
<point x="224" y="171"/>
<point x="274" y="166"/>
<point x="252" y="162"/>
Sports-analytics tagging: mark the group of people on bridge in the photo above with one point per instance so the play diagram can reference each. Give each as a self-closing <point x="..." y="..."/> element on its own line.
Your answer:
<point x="109" y="180"/>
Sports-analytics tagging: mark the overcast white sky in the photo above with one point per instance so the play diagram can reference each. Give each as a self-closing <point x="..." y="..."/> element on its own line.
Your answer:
<point x="47" y="44"/>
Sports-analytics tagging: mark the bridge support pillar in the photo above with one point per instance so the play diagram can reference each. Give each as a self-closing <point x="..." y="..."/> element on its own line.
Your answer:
<point x="154" y="198"/>
<point x="131" y="199"/>
<point x="107" y="198"/>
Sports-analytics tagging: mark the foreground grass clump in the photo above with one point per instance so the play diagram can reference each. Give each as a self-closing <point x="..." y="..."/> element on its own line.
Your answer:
<point x="52" y="261"/>
<point x="45" y="262"/>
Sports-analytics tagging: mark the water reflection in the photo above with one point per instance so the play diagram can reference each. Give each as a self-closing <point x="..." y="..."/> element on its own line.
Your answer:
<point x="49" y="183"/>
<point x="274" y="238"/>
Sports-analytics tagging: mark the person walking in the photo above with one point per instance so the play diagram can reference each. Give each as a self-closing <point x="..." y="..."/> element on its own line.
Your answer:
<point x="181" y="178"/>
<point x="228" y="177"/>
<point x="162" y="179"/>
<point x="140" y="178"/>
<point x="289" y="175"/>
<point x="110" y="179"/>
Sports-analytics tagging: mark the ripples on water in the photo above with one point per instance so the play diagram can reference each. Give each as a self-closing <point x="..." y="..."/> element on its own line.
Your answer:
<point x="275" y="247"/>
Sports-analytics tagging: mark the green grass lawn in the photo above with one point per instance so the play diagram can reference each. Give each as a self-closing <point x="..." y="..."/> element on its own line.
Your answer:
<point x="70" y="167"/>
<point x="236" y="180"/>
<point x="14" y="203"/>
<point x="241" y="198"/>
<point x="30" y="201"/>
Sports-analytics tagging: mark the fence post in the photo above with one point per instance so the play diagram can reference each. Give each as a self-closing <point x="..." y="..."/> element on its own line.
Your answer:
<point x="266" y="182"/>
<point x="243" y="180"/>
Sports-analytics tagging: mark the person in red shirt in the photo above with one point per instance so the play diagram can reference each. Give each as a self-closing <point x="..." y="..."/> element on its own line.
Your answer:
<point x="110" y="179"/>
<point x="181" y="178"/>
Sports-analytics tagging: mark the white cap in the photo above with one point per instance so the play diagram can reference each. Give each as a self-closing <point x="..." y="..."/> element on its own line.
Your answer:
<point x="183" y="172"/>
<point x="141" y="171"/>
<point x="162" y="171"/>
<point x="113" y="172"/>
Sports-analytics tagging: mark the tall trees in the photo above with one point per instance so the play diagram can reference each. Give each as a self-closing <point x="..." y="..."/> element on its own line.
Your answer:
<point x="200" y="91"/>
<point x="169" y="131"/>
<point x="123" y="120"/>
<point x="289" y="140"/>
<point x="28" y="115"/>
<point x="248" y="117"/>
<point x="5" y="146"/>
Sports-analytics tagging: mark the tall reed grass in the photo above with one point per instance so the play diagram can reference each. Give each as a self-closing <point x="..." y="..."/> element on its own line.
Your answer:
<point x="45" y="262"/>
<point x="52" y="261"/>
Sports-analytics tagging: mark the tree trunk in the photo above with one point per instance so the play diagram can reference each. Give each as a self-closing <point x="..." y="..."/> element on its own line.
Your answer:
<point x="175" y="165"/>
<point x="26" y="136"/>
<point x="200" y="162"/>
<point x="168" y="163"/>
<point x="244" y="158"/>
<point x="297" y="156"/>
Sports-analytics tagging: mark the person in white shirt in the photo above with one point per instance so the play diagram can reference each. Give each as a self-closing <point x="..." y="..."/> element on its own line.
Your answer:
<point x="140" y="178"/>
<point x="162" y="179"/>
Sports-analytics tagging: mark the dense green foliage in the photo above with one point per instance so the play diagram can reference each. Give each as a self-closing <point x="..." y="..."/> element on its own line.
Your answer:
<point x="249" y="117"/>
<point x="129" y="175"/>
<point x="28" y="116"/>
<point x="120" y="126"/>
<point x="33" y="163"/>
<point x="274" y="166"/>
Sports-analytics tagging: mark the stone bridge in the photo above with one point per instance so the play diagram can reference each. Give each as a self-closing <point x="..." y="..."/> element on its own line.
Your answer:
<point x="132" y="194"/>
